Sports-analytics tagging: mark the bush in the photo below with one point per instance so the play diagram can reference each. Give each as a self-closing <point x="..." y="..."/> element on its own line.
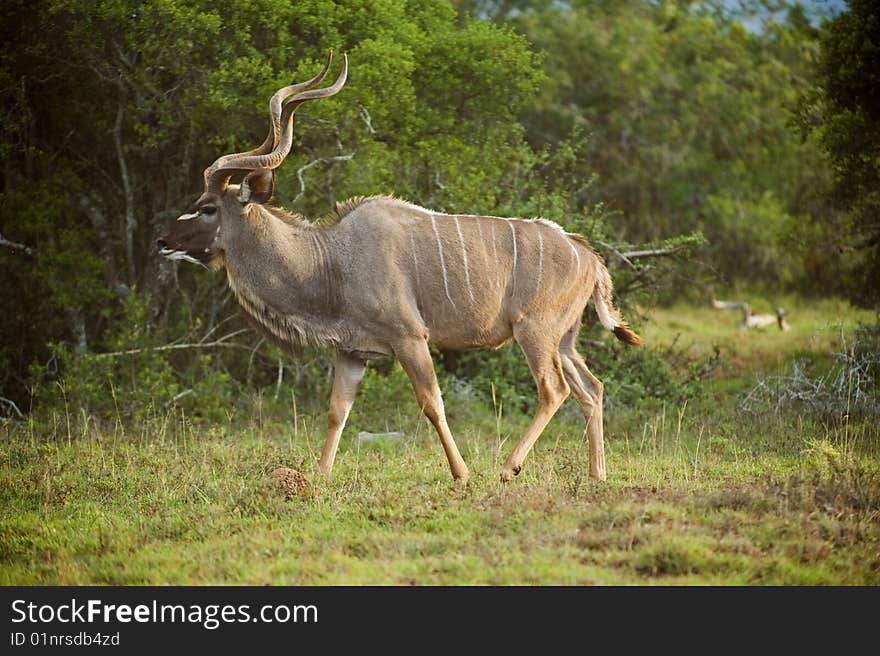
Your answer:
<point x="632" y="376"/>
<point x="210" y="396"/>
<point x="847" y="391"/>
<point x="129" y="382"/>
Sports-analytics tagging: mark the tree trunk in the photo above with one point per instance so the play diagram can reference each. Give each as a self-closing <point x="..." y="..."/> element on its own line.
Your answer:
<point x="130" y="219"/>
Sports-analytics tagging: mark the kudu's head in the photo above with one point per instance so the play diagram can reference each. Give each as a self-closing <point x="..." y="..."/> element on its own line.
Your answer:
<point x="197" y="236"/>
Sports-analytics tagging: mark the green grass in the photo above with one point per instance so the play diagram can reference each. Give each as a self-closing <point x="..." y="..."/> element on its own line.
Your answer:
<point x="194" y="510"/>
<point x="816" y="328"/>
<point x="696" y="494"/>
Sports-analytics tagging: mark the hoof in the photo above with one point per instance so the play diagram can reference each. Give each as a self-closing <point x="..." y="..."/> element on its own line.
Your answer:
<point x="461" y="478"/>
<point x="508" y="474"/>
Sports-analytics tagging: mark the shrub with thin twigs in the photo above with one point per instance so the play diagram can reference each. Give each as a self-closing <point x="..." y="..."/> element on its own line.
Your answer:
<point x="849" y="390"/>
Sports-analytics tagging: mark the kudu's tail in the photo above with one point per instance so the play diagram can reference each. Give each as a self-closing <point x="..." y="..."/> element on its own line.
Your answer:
<point x="608" y="314"/>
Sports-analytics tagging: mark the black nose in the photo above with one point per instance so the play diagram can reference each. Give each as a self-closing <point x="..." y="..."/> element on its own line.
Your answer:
<point x="161" y="244"/>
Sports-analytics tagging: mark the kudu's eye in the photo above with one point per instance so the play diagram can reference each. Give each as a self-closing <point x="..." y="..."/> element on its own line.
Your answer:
<point x="208" y="209"/>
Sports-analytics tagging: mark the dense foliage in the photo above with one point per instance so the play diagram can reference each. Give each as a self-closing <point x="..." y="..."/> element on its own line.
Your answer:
<point x="688" y="114"/>
<point x="654" y="123"/>
<point x="112" y="110"/>
<point x="842" y="110"/>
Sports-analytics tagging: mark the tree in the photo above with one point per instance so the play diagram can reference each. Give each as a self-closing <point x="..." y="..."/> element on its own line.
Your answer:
<point x="111" y="109"/>
<point x="687" y="117"/>
<point x="842" y="110"/>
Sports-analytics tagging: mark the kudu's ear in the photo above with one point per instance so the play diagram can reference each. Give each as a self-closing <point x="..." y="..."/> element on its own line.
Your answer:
<point x="257" y="186"/>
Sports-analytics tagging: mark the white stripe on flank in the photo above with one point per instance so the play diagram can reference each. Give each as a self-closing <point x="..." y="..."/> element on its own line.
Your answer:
<point x="540" y="259"/>
<point x="513" y="233"/>
<point x="495" y="254"/>
<point x="482" y="242"/>
<point x="412" y="241"/>
<point x="187" y="217"/>
<point x="558" y="228"/>
<point x="467" y="274"/>
<point x="442" y="261"/>
<point x="600" y="298"/>
<point x="577" y="258"/>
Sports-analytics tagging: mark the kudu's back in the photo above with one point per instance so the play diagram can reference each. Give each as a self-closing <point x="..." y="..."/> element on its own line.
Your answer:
<point x="469" y="278"/>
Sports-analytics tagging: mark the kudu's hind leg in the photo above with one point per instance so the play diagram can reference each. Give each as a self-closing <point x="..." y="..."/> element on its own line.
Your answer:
<point x="416" y="360"/>
<point x="542" y="353"/>
<point x="588" y="390"/>
<point x="347" y="375"/>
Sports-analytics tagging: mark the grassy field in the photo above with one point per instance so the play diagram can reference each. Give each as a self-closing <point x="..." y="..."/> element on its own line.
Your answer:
<point x="697" y="493"/>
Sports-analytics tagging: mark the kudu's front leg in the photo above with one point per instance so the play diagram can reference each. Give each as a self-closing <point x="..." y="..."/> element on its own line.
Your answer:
<point x="416" y="360"/>
<point x="347" y="375"/>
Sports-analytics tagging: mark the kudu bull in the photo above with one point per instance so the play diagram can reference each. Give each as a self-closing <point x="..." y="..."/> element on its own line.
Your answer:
<point x="388" y="278"/>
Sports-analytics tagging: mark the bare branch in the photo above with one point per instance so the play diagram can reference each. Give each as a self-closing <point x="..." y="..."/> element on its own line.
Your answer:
<point x="14" y="245"/>
<point x="315" y="162"/>
<point x="222" y="342"/>
<point x="367" y="119"/>
<point x="250" y="367"/>
<point x="866" y="243"/>
<point x="213" y="330"/>
<point x="629" y="256"/>
<point x="653" y="252"/>
<point x="616" y="252"/>
<point x="280" y="377"/>
<point x="101" y="75"/>
<point x="9" y="403"/>
<point x="179" y="396"/>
